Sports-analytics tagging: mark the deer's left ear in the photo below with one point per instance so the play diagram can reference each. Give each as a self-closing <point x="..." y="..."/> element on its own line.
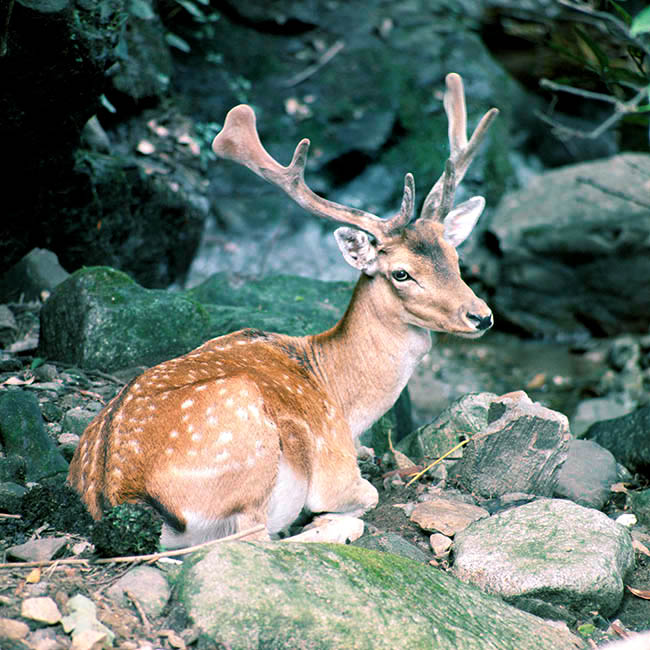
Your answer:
<point x="460" y="222"/>
<point x="357" y="248"/>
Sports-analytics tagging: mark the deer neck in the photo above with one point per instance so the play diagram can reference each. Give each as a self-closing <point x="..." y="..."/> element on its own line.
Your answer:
<point x="367" y="358"/>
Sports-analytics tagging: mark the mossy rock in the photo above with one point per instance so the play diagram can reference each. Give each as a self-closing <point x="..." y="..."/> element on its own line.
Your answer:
<point x="101" y="318"/>
<point x="282" y="595"/>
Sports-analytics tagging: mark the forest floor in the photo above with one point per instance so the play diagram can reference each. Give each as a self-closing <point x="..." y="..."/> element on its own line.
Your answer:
<point x="555" y="375"/>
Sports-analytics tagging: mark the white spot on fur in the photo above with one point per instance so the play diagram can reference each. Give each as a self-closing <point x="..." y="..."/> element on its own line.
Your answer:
<point x="135" y="446"/>
<point x="188" y="403"/>
<point x="242" y="413"/>
<point x="191" y="452"/>
<point x="230" y="402"/>
<point x="198" y="389"/>
<point x="224" y="437"/>
<point x="254" y="410"/>
<point x="173" y="434"/>
<point x="220" y="458"/>
<point x="169" y="451"/>
<point x="196" y="437"/>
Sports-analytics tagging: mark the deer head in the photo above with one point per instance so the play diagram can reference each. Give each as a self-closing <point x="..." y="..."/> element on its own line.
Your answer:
<point x="415" y="259"/>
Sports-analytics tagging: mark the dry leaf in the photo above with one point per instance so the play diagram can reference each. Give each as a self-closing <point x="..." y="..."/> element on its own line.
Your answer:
<point x="402" y="460"/>
<point x="641" y="593"/>
<point x="619" y="488"/>
<point x="33" y="576"/>
<point x="537" y="381"/>
<point x="17" y="381"/>
<point x="639" y="547"/>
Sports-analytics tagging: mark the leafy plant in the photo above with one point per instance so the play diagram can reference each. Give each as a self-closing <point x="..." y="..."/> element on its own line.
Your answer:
<point x="612" y="49"/>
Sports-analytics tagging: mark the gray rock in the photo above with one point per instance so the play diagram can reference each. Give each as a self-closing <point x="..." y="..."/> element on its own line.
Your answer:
<point x="11" y="497"/>
<point x="37" y="550"/>
<point x="335" y="596"/>
<point x="566" y="261"/>
<point x="147" y="584"/>
<point x="38" y="271"/>
<point x="465" y="417"/>
<point x="587" y="474"/>
<point x="521" y="449"/>
<point x="550" y="557"/>
<point x="627" y="438"/>
<point x="22" y="432"/>
<point x="595" y="409"/>
<point x="76" y="419"/>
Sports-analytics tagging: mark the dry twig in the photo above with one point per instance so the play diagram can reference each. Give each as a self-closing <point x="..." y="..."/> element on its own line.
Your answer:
<point x="149" y="559"/>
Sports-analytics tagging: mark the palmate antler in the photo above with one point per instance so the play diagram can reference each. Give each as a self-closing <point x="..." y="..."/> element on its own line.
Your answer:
<point x="239" y="141"/>
<point x="440" y="199"/>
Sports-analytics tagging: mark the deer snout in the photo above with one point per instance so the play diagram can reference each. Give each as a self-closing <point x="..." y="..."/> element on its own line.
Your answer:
<point x="478" y="316"/>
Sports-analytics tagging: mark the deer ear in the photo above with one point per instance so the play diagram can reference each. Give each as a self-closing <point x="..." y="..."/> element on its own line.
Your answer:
<point x="460" y="222"/>
<point x="357" y="248"/>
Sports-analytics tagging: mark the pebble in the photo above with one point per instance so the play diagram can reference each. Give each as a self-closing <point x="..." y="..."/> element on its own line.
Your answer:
<point x="446" y="516"/>
<point x="440" y="544"/>
<point x="42" y="609"/>
<point x="37" y="550"/>
<point x="13" y="630"/>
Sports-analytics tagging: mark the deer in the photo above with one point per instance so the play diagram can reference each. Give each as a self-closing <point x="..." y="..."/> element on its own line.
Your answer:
<point x="254" y="428"/>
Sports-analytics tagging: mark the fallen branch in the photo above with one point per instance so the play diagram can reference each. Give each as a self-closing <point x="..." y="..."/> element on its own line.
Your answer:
<point x="149" y="559"/>
<point x="621" y="109"/>
<point x="328" y="55"/>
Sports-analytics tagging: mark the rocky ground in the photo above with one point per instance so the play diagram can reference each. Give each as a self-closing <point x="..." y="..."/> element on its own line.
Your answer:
<point x="553" y="374"/>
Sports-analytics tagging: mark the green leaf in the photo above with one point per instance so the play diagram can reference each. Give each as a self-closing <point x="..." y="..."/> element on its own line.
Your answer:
<point x="601" y="57"/>
<point x="191" y="8"/>
<point x="36" y="362"/>
<point x="106" y="104"/>
<point x="620" y="12"/>
<point x="141" y="9"/>
<point x="177" y="42"/>
<point x="641" y="23"/>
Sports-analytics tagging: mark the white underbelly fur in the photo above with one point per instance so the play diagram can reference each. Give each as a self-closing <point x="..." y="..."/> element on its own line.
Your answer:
<point x="287" y="498"/>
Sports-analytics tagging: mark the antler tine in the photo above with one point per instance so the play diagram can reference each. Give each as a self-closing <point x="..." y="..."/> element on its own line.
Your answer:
<point x="440" y="199"/>
<point x="240" y="142"/>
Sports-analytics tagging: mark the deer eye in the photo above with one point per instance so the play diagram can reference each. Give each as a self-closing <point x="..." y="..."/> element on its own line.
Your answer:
<point x="401" y="275"/>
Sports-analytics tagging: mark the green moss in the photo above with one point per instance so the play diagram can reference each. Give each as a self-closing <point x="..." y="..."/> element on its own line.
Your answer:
<point x="127" y="529"/>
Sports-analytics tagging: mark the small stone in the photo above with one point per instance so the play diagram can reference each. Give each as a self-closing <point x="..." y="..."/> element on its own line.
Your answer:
<point x="46" y="638"/>
<point x="446" y="516"/>
<point x="147" y="584"/>
<point x="440" y="544"/>
<point x="37" y="550"/>
<point x="89" y="640"/>
<point x="42" y="609"/>
<point x="10" y="629"/>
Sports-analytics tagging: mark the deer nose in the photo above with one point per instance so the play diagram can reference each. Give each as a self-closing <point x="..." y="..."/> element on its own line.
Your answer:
<point x="480" y="322"/>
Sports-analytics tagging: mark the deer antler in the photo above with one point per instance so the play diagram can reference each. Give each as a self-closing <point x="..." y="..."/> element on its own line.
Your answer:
<point x="240" y="142"/>
<point x="440" y="199"/>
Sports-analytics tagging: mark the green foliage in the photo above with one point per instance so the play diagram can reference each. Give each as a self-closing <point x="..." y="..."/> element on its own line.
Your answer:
<point x="612" y="49"/>
<point x="127" y="529"/>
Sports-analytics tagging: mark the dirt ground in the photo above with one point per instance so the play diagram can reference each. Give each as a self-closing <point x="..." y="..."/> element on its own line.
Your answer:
<point x="555" y="375"/>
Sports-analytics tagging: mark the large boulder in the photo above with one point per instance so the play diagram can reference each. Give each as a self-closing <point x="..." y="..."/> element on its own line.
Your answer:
<point x="278" y="595"/>
<point x="575" y="250"/>
<point x="551" y="557"/>
<point x="100" y="318"/>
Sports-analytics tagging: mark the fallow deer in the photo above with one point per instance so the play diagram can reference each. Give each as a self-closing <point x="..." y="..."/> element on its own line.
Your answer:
<point x="253" y="427"/>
